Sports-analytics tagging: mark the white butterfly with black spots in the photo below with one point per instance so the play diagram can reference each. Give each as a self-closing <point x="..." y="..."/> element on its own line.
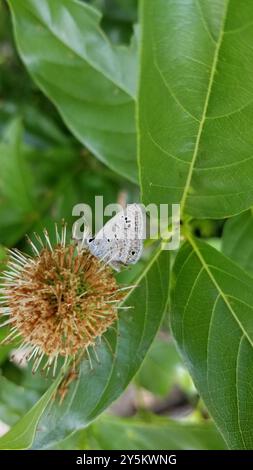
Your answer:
<point x="120" y="242"/>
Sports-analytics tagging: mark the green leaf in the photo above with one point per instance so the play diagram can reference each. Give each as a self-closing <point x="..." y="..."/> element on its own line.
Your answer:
<point x="195" y="105"/>
<point x="41" y="129"/>
<point x="213" y="325"/>
<point x="17" y="209"/>
<point x="237" y="240"/>
<point x="21" y="435"/>
<point x="15" y="400"/>
<point x="158" y="373"/>
<point x="15" y="180"/>
<point x="159" y="433"/>
<point x="120" y="356"/>
<point x="91" y="82"/>
<point x="111" y="433"/>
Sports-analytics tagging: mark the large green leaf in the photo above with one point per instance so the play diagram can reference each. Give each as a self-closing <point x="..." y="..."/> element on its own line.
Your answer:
<point x="91" y="82"/>
<point x="111" y="433"/>
<point x="237" y="240"/>
<point x="96" y="388"/>
<point x="212" y="322"/>
<point x="196" y="105"/>
<point x="22" y="434"/>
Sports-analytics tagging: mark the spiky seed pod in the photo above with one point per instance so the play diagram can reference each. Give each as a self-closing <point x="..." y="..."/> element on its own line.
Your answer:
<point x="59" y="301"/>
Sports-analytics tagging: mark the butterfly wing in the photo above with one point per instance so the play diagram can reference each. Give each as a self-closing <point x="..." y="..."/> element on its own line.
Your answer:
<point x="119" y="242"/>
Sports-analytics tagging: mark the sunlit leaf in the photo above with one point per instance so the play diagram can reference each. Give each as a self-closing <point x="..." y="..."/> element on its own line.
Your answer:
<point x="213" y="325"/>
<point x="195" y="105"/>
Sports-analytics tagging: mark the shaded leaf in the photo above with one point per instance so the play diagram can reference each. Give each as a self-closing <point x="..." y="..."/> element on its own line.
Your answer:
<point x="158" y="373"/>
<point x="17" y="205"/>
<point x="15" y="180"/>
<point x="111" y="433"/>
<point x="21" y="435"/>
<point x="158" y="434"/>
<point x="237" y="240"/>
<point x="15" y="400"/>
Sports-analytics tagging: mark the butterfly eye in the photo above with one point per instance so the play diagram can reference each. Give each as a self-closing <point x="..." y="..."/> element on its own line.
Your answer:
<point x="108" y="239"/>
<point x="133" y="252"/>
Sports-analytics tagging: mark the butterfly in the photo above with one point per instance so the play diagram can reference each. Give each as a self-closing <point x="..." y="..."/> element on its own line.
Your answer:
<point x="120" y="242"/>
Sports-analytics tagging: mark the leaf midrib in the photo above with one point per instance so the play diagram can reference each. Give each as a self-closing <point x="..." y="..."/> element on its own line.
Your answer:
<point x="205" y="107"/>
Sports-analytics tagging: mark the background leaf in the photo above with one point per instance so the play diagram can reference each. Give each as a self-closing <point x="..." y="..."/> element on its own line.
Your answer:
<point x="95" y="389"/>
<point x="158" y="373"/>
<point x="195" y="105"/>
<point x="212" y="323"/>
<point x="15" y="179"/>
<point x="237" y="240"/>
<point x="156" y="434"/>
<point x="15" y="400"/>
<point x="16" y="185"/>
<point x="118" y="17"/>
<point x="91" y="82"/>
<point x="137" y="434"/>
<point x="22" y="434"/>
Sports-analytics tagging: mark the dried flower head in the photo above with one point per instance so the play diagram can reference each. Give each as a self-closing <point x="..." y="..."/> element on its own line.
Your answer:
<point x="59" y="301"/>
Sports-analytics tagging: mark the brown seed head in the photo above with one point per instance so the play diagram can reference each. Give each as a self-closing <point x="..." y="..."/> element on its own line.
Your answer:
<point x="59" y="301"/>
